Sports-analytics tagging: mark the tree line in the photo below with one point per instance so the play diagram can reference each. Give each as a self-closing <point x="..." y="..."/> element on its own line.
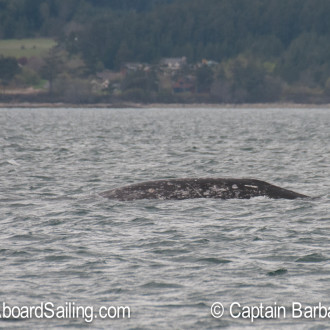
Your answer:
<point x="30" y="18"/>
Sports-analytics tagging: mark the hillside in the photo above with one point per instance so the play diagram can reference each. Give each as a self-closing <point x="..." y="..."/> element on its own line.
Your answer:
<point x="264" y="50"/>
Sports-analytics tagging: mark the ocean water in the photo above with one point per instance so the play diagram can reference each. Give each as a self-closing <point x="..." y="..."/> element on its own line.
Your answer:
<point x="64" y="248"/>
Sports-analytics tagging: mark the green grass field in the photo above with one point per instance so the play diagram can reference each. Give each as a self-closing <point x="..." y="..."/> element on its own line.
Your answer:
<point x="26" y="47"/>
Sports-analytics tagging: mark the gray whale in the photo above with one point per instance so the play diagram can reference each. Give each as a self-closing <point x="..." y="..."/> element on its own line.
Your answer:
<point x="200" y="188"/>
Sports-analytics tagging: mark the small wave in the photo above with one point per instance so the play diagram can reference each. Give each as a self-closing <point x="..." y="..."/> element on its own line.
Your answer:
<point x="314" y="257"/>
<point x="157" y="285"/>
<point x="12" y="162"/>
<point x="214" y="260"/>
<point x="58" y="258"/>
<point x="278" y="272"/>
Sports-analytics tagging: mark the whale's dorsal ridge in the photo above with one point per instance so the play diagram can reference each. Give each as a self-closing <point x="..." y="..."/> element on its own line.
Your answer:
<point x="185" y="188"/>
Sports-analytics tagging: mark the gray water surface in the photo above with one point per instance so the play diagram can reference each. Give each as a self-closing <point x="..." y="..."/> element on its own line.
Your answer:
<point x="169" y="261"/>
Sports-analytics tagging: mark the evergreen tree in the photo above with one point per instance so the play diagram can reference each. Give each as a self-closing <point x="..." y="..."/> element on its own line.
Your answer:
<point x="8" y="69"/>
<point x="52" y="67"/>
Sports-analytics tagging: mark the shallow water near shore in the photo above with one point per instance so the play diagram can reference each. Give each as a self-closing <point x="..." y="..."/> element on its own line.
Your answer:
<point x="169" y="261"/>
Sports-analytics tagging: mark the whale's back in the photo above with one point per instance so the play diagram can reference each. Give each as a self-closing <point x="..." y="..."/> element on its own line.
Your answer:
<point x="186" y="188"/>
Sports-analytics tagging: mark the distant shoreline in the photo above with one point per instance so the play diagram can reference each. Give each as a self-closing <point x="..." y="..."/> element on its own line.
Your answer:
<point x="127" y="105"/>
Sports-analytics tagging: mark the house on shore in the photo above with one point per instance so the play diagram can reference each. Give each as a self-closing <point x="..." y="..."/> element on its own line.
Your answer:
<point x="173" y="63"/>
<point x="185" y="84"/>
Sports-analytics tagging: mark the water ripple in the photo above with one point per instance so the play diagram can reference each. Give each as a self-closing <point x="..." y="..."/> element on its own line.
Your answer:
<point x="169" y="260"/>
